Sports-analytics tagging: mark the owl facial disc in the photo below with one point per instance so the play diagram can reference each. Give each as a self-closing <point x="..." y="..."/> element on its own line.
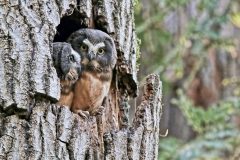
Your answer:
<point x="92" y="48"/>
<point x="97" y="49"/>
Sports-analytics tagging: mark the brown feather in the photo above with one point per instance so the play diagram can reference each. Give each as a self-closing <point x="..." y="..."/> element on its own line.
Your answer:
<point x="67" y="86"/>
<point x="90" y="90"/>
<point x="66" y="93"/>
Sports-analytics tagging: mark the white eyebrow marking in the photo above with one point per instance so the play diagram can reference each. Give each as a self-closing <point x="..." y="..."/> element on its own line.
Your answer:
<point x="100" y="45"/>
<point x="88" y="43"/>
<point x="92" y="47"/>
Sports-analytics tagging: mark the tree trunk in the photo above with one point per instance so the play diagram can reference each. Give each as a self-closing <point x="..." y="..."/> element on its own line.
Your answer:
<point x="31" y="125"/>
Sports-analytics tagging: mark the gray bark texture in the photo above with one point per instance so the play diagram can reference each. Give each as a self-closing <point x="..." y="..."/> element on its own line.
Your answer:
<point x="31" y="125"/>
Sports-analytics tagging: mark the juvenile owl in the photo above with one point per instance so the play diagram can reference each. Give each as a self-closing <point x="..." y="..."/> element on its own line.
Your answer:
<point x="68" y="66"/>
<point x="99" y="57"/>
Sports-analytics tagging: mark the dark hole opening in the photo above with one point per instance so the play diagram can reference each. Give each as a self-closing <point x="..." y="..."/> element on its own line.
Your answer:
<point x="68" y="25"/>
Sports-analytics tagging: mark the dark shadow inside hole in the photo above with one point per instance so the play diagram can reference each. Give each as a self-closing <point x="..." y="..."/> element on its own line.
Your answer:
<point x="68" y="25"/>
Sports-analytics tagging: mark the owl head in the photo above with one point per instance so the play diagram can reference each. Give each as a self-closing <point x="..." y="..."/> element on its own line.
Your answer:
<point x="96" y="48"/>
<point x="65" y="59"/>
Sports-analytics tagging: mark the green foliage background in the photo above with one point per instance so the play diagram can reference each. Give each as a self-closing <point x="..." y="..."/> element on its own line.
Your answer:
<point x="163" y="52"/>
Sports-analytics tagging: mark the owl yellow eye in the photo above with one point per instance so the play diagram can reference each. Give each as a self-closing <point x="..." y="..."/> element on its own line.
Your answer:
<point x="84" y="47"/>
<point x="101" y="51"/>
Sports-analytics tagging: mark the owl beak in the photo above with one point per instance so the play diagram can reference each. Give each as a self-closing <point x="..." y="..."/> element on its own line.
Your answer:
<point x="91" y="56"/>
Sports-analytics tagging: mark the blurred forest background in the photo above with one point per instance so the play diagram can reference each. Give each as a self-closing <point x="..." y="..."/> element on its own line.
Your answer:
<point x="194" y="45"/>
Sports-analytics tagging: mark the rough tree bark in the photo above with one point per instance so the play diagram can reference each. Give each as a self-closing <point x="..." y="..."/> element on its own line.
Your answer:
<point x="31" y="125"/>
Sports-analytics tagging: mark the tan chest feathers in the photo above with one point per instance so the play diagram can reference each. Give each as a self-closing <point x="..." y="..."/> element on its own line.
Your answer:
<point x="89" y="92"/>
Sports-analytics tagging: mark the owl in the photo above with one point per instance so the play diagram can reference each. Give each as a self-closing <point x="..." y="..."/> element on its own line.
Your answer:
<point x="68" y="66"/>
<point x="98" y="53"/>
